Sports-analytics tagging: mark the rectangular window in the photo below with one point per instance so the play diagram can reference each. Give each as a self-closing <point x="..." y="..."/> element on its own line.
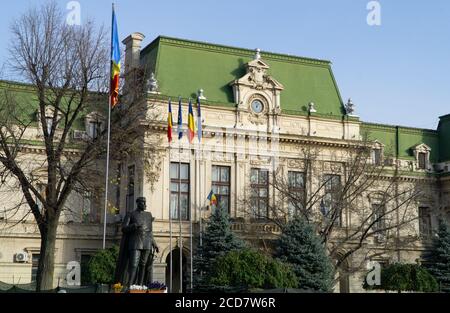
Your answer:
<point x="221" y="186"/>
<point x="259" y="183"/>
<point x="379" y="218"/>
<point x="34" y="265"/>
<point x="330" y="204"/>
<point x="86" y="216"/>
<point x="84" y="264"/>
<point x="422" y="159"/>
<point x="296" y="183"/>
<point x="376" y="156"/>
<point x="425" y="222"/>
<point x="179" y="191"/>
<point x="130" y="189"/>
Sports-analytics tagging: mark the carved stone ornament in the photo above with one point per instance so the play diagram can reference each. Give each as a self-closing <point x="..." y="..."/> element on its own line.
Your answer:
<point x="260" y="160"/>
<point x="297" y="164"/>
<point x="257" y="81"/>
<point x="332" y="167"/>
<point x="152" y="84"/>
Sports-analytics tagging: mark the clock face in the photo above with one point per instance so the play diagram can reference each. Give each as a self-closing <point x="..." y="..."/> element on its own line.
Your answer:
<point x="257" y="106"/>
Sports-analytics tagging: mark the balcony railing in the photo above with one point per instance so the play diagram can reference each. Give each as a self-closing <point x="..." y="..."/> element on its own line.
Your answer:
<point x="257" y="228"/>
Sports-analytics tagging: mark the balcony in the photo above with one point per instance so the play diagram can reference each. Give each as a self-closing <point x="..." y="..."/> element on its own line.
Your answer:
<point x="257" y="229"/>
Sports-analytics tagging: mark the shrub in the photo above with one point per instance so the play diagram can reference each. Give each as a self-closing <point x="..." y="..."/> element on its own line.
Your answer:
<point x="102" y="265"/>
<point x="406" y="277"/>
<point x="250" y="269"/>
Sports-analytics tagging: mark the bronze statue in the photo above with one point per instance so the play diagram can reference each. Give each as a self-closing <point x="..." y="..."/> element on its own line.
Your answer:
<point x="137" y="248"/>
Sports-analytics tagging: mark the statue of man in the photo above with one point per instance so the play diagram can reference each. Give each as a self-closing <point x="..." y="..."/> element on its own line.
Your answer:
<point x="141" y="246"/>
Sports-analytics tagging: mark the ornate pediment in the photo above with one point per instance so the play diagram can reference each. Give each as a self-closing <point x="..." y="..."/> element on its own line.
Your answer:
<point x="257" y="77"/>
<point x="421" y="148"/>
<point x="257" y="83"/>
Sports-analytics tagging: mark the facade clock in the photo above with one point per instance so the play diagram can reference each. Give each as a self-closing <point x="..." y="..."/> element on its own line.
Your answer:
<point x="257" y="106"/>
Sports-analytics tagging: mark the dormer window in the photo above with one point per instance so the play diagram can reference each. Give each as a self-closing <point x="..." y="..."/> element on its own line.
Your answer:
<point x="422" y="155"/>
<point x="49" y="123"/>
<point x="95" y="123"/>
<point x="377" y="153"/>
<point x="49" y="114"/>
<point x="376" y="156"/>
<point x="94" y="129"/>
<point x="422" y="160"/>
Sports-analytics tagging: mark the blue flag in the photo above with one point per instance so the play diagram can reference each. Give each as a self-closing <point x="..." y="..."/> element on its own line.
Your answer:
<point x="180" y="120"/>
<point x="199" y="121"/>
<point x="115" y="62"/>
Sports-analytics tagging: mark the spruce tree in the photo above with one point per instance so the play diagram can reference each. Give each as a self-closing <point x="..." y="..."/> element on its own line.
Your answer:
<point x="438" y="261"/>
<point x="302" y="248"/>
<point x="217" y="240"/>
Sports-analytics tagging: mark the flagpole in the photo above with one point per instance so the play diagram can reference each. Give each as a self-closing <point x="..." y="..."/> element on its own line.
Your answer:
<point x="107" y="146"/>
<point x="179" y="216"/>
<point x="180" y="136"/>
<point x="200" y="151"/>
<point x="169" y="139"/>
<point x="107" y="175"/>
<point x="170" y="228"/>
<point x="200" y="157"/>
<point x="201" y="204"/>
<point x="190" y="219"/>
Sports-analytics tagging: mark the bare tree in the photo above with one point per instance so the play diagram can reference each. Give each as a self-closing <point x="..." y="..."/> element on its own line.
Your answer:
<point x="354" y="199"/>
<point x="67" y="68"/>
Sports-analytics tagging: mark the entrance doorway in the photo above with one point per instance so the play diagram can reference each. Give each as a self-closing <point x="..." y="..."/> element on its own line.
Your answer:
<point x="175" y="283"/>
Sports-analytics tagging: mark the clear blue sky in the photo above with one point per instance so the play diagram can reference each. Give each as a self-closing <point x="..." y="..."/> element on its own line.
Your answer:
<point x="396" y="73"/>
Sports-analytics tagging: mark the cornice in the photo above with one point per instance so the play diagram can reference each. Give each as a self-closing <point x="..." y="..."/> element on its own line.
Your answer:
<point x="40" y="149"/>
<point x="403" y="129"/>
<point x="17" y="86"/>
<point x="298" y="139"/>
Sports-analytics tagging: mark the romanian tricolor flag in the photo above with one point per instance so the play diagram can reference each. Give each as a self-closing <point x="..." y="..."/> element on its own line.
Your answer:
<point x="191" y="123"/>
<point x="169" y="123"/>
<point x="212" y="198"/>
<point x="115" y="62"/>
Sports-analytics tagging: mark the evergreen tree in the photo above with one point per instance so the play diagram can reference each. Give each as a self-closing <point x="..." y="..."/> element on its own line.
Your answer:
<point x="438" y="261"/>
<point x="302" y="248"/>
<point x="217" y="240"/>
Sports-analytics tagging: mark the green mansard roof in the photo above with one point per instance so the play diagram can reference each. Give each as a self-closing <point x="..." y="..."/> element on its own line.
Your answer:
<point x="182" y="67"/>
<point x="25" y="96"/>
<point x="400" y="141"/>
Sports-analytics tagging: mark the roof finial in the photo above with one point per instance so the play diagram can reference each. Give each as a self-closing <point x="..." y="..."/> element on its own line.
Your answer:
<point x="257" y="54"/>
<point x="311" y="108"/>
<point x="200" y="94"/>
<point x="350" y="107"/>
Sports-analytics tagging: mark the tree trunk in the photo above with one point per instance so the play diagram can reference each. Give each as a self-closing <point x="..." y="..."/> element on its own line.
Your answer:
<point x="46" y="265"/>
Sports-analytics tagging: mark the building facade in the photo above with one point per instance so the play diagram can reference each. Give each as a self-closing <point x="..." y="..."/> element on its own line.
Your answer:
<point x="266" y="118"/>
